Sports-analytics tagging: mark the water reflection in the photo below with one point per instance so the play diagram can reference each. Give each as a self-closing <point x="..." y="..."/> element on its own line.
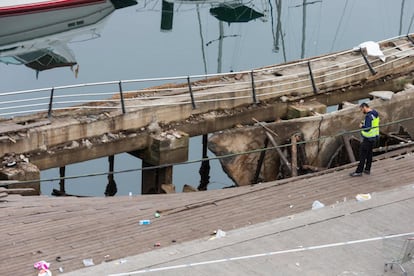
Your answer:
<point x="235" y="13"/>
<point x="298" y="29"/>
<point x="36" y="34"/>
<point x="39" y="38"/>
<point x="230" y="11"/>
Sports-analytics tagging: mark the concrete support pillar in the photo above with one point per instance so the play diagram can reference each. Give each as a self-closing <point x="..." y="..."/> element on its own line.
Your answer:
<point x="22" y="171"/>
<point x="165" y="148"/>
<point x="152" y="179"/>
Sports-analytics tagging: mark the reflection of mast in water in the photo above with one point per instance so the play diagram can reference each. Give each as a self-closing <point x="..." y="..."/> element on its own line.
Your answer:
<point x="401" y="19"/>
<point x="302" y="53"/>
<point x="203" y="52"/>
<point x="220" y="46"/>
<point x="304" y="4"/>
<point x="401" y="16"/>
<point x="278" y="28"/>
<point x="232" y="12"/>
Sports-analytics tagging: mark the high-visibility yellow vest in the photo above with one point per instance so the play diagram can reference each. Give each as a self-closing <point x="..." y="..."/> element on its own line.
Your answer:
<point x="374" y="130"/>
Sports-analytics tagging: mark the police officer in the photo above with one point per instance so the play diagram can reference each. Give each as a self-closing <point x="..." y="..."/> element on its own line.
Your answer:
<point x="370" y="134"/>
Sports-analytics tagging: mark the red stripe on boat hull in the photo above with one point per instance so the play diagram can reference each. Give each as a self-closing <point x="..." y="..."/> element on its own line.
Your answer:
<point x="45" y="6"/>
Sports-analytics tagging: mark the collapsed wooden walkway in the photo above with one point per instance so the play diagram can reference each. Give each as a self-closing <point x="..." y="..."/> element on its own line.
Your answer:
<point x="200" y="106"/>
<point x="65" y="231"/>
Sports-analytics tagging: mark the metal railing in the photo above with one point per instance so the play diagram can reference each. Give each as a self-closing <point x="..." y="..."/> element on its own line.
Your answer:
<point x="124" y="95"/>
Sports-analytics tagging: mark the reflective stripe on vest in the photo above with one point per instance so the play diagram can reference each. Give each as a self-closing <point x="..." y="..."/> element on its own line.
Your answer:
<point x="374" y="130"/>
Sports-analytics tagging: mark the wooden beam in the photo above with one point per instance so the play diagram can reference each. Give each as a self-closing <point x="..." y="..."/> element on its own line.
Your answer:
<point x="265" y="127"/>
<point x="393" y="147"/>
<point x="395" y="137"/>
<point x="260" y="162"/>
<point x="281" y="155"/>
<point x="348" y="148"/>
<point x="294" y="167"/>
<point x="333" y="156"/>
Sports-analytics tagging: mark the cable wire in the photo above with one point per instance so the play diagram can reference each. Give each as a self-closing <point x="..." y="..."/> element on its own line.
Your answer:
<point x="230" y="155"/>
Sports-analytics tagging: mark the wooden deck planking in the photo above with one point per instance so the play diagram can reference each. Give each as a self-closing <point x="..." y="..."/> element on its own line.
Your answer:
<point x="78" y="228"/>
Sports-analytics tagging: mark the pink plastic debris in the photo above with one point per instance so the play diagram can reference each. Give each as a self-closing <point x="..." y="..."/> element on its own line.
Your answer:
<point x="42" y="265"/>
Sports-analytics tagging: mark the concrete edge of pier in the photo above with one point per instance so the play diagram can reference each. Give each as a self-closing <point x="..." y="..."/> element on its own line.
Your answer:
<point x="341" y="239"/>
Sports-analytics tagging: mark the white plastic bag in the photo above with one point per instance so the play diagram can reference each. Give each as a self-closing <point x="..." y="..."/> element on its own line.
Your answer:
<point x="317" y="204"/>
<point x="373" y="49"/>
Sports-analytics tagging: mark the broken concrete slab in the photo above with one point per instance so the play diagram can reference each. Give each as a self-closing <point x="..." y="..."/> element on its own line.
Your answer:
<point x="321" y="133"/>
<point x="305" y="108"/>
<point x="22" y="172"/>
<point x="385" y="95"/>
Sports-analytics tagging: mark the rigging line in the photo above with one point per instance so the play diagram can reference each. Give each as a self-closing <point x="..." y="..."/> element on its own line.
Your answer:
<point x="401" y="16"/>
<point x="279" y="28"/>
<point x="302" y="53"/>
<point x="203" y="52"/>
<point x="290" y="22"/>
<point x="318" y="32"/>
<point x="237" y="46"/>
<point x="220" y="47"/>
<point x="339" y="25"/>
<point x="383" y="14"/>
<point x="272" y="24"/>
<point x="411" y="22"/>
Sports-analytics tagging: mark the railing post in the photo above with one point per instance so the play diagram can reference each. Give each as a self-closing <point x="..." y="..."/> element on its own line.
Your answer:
<point x="410" y="39"/>
<point x="122" y="97"/>
<point x="191" y="93"/>
<point x="49" y="112"/>
<point x="253" y="87"/>
<point x="372" y="70"/>
<point x="315" y="89"/>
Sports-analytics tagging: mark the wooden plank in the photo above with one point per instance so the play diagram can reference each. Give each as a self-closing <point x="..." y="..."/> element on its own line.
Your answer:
<point x="281" y="155"/>
<point x="38" y="228"/>
<point x="294" y="168"/>
<point x="348" y="147"/>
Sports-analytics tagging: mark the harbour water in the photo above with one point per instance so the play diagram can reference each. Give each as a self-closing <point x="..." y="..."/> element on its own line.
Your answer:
<point x="180" y="38"/>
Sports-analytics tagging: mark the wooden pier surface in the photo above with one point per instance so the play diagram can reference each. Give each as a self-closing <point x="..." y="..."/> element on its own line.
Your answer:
<point x="65" y="231"/>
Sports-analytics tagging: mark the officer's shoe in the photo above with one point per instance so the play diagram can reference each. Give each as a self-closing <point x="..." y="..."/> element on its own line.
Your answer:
<point x="367" y="172"/>
<point x="355" y="174"/>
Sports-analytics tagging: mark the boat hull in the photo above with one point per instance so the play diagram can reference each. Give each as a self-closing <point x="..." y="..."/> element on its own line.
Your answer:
<point x="23" y="26"/>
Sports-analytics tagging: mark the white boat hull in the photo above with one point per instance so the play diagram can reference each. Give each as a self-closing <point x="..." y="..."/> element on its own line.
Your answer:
<point x="23" y="26"/>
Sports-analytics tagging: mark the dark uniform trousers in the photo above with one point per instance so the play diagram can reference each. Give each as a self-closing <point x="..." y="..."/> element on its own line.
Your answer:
<point x="365" y="155"/>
